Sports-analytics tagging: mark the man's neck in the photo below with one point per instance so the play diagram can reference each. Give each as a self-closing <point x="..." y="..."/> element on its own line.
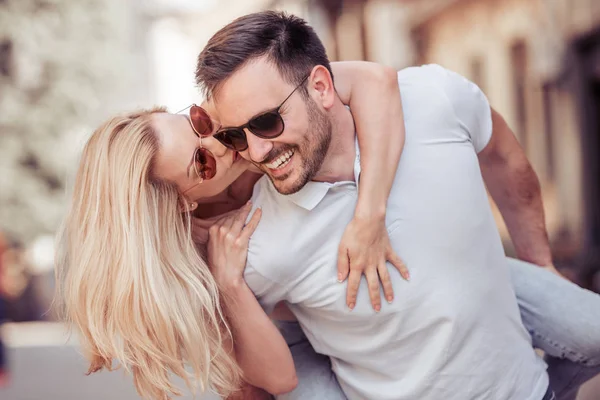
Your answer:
<point x="339" y="161"/>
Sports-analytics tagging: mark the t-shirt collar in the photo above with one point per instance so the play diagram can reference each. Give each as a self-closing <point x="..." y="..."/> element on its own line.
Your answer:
<point x="314" y="192"/>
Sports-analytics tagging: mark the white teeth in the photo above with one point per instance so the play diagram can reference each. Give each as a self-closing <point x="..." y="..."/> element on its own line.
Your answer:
<point x="282" y="159"/>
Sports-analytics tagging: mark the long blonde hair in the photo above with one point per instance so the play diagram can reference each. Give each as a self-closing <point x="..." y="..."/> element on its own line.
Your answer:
<point x="129" y="277"/>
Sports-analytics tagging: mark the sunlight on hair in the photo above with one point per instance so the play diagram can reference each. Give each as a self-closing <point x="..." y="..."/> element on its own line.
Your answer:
<point x="129" y="277"/>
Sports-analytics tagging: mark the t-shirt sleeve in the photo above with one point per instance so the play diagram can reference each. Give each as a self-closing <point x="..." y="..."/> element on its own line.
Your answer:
<point x="470" y="106"/>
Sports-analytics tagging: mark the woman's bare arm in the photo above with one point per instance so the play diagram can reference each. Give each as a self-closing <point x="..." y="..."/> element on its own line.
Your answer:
<point x="371" y="90"/>
<point x="260" y="350"/>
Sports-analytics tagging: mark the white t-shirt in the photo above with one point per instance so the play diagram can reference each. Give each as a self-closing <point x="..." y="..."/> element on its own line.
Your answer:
<point x="453" y="331"/>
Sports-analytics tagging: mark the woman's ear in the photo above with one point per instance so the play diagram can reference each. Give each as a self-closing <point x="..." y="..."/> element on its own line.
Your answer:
<point x="187" y="206"/>
<point x="321" y="82"/>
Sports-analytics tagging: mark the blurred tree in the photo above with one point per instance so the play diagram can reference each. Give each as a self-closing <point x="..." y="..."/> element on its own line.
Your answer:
<point x="64" y="66"/>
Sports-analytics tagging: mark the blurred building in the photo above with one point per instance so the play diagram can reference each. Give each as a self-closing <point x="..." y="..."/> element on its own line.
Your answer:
<point x="539" y="63"/>
<point x="64" y="66"/>
<point x="374" y="30"/>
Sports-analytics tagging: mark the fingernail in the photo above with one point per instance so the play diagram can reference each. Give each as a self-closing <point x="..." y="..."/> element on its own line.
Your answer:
<point x="340" y="278"/>
<point x="377" y="308"/>
<point x="390" y="299"/>
<point x="407" y="276"/>
<point x="351" y="306"/>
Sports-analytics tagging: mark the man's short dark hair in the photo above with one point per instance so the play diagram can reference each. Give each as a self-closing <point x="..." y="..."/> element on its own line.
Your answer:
<point x="286" y="40"/>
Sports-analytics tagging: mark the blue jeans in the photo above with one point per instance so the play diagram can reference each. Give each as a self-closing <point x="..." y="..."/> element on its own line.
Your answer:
<point x="562" y="318"/>
<point x="563" y="321"/>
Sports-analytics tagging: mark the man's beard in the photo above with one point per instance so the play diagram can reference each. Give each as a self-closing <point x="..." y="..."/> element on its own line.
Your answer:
<point x="311" y="151"/>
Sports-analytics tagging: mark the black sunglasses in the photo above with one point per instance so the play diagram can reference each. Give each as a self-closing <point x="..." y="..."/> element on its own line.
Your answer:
<point x="267" y="125"/>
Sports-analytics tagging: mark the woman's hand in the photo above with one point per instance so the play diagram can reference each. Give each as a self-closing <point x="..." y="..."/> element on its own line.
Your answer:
<point x="200" y="227"/>
<point x="364" y="249"/>
<point x="373" y="94"/>
<point x="228" y="246"/>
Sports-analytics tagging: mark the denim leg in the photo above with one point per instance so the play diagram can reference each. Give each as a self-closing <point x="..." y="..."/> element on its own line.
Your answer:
<point x="550" y="395"/>
<point x="564" y="321"/>
<point x="316" y="380"/>
<point x="566" y="376"/>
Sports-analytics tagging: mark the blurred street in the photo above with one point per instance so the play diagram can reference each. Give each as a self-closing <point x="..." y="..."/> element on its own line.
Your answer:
<point x="44" y="366"/>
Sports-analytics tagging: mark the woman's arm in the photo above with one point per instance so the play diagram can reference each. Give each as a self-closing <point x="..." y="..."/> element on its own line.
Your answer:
<point x="261" y="352"/>
<point x="372" y="92"/>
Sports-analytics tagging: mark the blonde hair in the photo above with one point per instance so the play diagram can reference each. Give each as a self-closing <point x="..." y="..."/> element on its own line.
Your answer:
<point x="129" y="277"/>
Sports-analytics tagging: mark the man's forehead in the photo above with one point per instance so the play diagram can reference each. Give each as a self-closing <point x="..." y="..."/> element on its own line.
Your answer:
<point x="254" y="88"/>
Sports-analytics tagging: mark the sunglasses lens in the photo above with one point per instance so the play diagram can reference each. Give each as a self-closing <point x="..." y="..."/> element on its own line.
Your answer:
<point x="201" y="121"/>
<point x="267" y="126"/>
<point x="206" y="165"/>
<point x="234" y="139"/>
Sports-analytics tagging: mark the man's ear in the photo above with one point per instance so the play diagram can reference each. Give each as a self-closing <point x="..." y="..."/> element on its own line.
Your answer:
<point x="321" y="82"/>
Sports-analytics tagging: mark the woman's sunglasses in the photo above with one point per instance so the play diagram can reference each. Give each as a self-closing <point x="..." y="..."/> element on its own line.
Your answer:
<point x="267" y="125"/>
<point x="205" y="164"/>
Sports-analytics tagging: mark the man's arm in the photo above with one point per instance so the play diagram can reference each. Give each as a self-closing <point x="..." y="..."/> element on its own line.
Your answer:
<point x="507" y="173"/>
<point x="515" y="188"/>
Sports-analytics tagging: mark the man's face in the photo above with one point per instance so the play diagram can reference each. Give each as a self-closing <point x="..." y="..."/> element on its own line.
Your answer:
<point x="293" y="158"/>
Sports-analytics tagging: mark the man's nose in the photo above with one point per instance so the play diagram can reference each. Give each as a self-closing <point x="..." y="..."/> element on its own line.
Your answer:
<point x="257" y="148"/>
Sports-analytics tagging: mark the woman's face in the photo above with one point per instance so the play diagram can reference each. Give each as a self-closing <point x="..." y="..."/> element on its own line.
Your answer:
<point x="175" y="159"/>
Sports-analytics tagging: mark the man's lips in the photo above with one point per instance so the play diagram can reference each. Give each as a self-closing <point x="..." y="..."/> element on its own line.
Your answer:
<point x="280" y="166"/>
<point x="280" y="161"/>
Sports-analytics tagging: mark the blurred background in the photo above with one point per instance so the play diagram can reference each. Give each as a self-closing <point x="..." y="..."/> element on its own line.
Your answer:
<point x="66" y="65"/>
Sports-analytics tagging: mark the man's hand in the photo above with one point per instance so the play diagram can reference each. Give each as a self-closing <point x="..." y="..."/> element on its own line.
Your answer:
<point x="364" y="249"/>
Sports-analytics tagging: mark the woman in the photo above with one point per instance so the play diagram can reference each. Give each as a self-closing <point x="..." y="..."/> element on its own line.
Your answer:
<point x="131" y="278"/>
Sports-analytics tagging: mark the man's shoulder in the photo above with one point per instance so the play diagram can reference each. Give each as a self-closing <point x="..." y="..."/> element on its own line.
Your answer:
<point x="431" y="78"/>
<point x="424" y="98"/>
<point x="428" y="75"/>
<point x="449" y="97"/>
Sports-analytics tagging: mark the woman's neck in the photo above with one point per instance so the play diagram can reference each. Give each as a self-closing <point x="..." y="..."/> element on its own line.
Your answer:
<point x="232" y="198"/>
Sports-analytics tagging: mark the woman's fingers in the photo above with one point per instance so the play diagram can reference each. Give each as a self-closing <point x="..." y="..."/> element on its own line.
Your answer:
<point x="251" y="225"/>
<point x="240" y="218"/>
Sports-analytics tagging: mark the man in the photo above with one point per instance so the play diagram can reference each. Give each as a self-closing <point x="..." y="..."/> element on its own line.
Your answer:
<point x="454" y="331"/>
